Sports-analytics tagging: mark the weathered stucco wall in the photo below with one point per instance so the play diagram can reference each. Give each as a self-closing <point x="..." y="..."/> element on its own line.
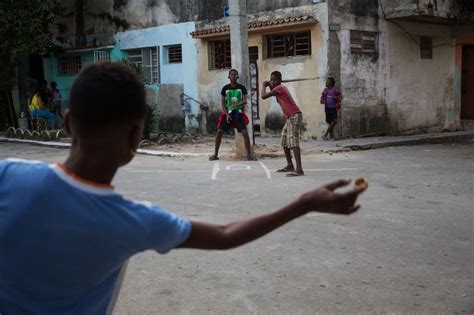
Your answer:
<point x="420" y="91"/>
<point x="118" y="15"/>
<point x="442" y="9"/>
<point x="306" y="92"/>
<point x="394" y="91"/>
<point x="171" y="116"/>
<point x="313" y="68"/>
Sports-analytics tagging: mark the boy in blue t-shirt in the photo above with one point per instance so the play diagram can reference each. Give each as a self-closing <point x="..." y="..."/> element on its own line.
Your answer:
<point x="65" y="253"/>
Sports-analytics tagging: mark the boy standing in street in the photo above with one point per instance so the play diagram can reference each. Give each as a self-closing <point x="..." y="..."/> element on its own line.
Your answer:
<point x="290" y="135"/>
<point x="233" y="101"/>
<point x="331" y="98"/>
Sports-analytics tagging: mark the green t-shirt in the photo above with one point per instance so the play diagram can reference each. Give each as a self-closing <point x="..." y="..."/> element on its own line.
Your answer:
<point x="233" y="95"/>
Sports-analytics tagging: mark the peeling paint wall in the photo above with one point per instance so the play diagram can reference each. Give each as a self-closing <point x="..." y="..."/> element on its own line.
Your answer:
<point x="420" y="91"/>
<point x="436" y="8"/>
<point x="171" y="116"/>
<point x="394" y="91"/>
<point x="118" y="15"/>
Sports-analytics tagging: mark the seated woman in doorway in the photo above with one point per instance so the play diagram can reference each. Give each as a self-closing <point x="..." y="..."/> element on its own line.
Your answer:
<point x="37" y="108"/>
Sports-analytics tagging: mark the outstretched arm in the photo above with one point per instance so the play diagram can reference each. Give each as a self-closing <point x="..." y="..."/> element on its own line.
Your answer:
<point x="324" y="199"/>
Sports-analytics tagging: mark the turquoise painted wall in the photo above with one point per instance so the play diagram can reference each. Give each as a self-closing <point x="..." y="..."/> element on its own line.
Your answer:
<point x="116" y="54"/>
<point x="65" y="81"/>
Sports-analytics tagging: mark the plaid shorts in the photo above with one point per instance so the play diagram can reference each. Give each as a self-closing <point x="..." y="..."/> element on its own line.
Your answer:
<point x="290" y="135"/>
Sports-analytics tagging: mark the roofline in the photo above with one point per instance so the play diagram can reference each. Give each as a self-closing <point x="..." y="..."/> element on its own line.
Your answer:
<point x="72" y="51"/>
<point x="254" y="26"/>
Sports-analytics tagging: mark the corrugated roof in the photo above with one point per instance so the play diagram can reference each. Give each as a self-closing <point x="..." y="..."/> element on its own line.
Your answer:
<point x="253" y="25"/>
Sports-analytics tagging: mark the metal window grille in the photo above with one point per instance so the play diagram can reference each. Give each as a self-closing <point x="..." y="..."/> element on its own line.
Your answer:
<point x="363" y="42"/>
<point x="101" y="56"/>
<point x="220" y="55"/>
<point x="426" y="47"/>
<point x="155" y="65"/>
<point x="175" y="54"/>
<point x="148" y="60"/>
<point x="69" y="65"/>
<point x="135" y="56"/>
<point x="290" y="44"/>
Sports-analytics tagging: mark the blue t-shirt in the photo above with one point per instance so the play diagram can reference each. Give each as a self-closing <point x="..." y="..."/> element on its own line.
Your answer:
<point x="63" y="242"/>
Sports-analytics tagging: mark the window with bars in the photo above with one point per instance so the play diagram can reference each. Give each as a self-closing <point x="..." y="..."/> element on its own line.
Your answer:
<point x="426" y="47"/>
<point x="69" y="65"/>
<point x="148" y="60"/>
<point x="290" y="44"/>
<point x="101" y="56"/>
<point x="219" y="55"/>
<point x="175" y="54"/>
<point x="363" y="42"/>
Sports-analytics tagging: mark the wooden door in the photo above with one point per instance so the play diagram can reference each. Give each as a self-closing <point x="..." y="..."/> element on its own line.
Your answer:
<point x="467" y="85"/>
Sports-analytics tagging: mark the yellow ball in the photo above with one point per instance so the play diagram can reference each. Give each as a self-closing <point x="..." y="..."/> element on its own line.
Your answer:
<point x="361" y="183"/>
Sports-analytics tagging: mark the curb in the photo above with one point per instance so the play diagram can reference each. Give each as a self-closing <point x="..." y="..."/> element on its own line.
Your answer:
<point x="416" y="140"/>
<point x="62" y="145"/>
<point x="453" y="137"/>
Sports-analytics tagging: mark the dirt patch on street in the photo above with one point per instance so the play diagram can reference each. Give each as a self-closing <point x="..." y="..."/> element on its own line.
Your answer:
<point x="205" y="145"/>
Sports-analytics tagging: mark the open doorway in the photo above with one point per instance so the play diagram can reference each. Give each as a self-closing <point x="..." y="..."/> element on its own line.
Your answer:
<point x="467" y="78"/>
<point x="36" y="70"/>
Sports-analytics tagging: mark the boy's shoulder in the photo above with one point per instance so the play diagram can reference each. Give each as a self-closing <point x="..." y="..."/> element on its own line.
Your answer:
<point x="280" y="88"/>
<point x="225" y="88"/>
<point x="22" y="173"/>
<point x="21" y="164"/>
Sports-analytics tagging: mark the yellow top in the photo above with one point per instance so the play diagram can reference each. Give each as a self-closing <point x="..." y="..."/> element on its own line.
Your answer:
<point x="35" y="103"/>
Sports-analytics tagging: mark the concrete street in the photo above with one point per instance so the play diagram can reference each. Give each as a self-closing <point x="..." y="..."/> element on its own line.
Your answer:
<point x="409" y="249"/>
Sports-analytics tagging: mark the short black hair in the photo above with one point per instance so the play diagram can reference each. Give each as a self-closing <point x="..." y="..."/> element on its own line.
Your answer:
<point x="332" y="80"/>
<point x="53" y="84"/>
<point x="276" y="74"/>
<point x="107" y="93"/>
<point x="235" y="70"/>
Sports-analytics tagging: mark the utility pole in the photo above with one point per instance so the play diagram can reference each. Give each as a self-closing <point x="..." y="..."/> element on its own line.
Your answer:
<point x="240" y="61"/>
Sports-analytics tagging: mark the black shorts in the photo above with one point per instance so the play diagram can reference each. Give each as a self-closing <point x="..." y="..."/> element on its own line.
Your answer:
<point x="238" y="121"/>
<point x="331" y="115"/>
